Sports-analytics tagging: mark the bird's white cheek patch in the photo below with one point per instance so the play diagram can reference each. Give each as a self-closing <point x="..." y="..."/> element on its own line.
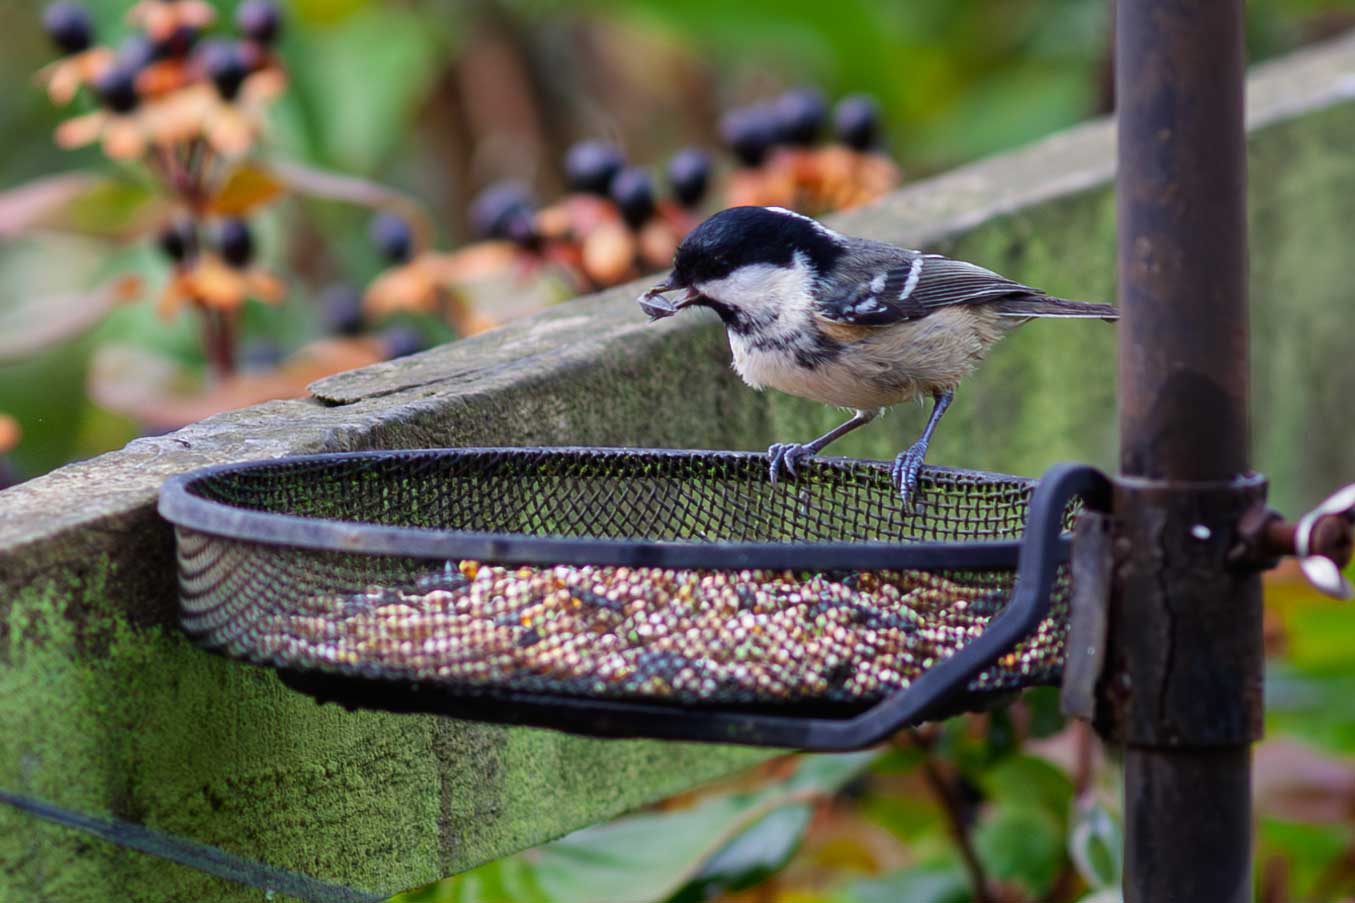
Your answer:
<point x="765" y="289"/>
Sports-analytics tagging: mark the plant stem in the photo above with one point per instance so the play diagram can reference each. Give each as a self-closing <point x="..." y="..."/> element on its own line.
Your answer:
<point x="944" y="789"/>
<point x="218" y="342"/>
<point x="1336" y="875"/>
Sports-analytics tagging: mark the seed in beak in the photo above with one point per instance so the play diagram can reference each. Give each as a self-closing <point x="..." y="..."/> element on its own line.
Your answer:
<point x="656" y="306"/>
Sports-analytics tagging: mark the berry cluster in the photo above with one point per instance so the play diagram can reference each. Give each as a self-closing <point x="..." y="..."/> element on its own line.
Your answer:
<point x="619" y="220"/>
<point x="613" y="224"/>
<point x="165" y="86"/>
<point x="781" y="161"/>
<point x="187" y="105"/>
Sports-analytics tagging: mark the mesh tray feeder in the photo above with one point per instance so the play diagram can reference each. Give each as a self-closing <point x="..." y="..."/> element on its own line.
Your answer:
<point x="621" y="592"/>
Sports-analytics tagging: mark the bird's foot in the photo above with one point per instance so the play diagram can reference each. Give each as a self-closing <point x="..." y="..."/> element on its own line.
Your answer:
<point x="785" y="457"/>
<point x="906" y="471"/>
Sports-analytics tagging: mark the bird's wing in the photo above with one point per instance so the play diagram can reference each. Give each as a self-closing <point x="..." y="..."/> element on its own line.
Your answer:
<point x="916" y="288"/>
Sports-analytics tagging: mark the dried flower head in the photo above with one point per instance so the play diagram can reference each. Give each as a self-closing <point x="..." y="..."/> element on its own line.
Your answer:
<point x="162" y="18"/>
<point x="10" y="433"/>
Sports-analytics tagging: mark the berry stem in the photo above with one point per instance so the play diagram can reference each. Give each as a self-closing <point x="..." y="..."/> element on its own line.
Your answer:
<point x="218" y="340"/>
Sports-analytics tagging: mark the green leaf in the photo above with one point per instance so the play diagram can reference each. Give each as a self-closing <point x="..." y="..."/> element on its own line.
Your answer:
<point x="1096" y="846"/>
<point x="81" y="203"/>
<point x="909" y="817"/>
<point x="651" y="856"/>
<point x="1029" y="781"/>
<point x="1046" y="716"/>
<point x="38" y="324"/>
<point x="1104" y="895"/>
<point x="941" y="883"/>
<point x="1319" y="708"/>
<point x="1319" y="638"/>
<point x="1308" y="850"/>
<point x="357" y="94"/>
<point x="1021" y="843"/>
<point x="757" y="853"/>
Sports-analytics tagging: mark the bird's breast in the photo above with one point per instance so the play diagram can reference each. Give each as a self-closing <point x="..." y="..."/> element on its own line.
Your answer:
<point x="888" y="366"/>
<point x="799" y="369"/>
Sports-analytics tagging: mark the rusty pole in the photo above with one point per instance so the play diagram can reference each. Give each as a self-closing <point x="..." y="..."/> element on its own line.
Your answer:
<point x="1184" y="680"/>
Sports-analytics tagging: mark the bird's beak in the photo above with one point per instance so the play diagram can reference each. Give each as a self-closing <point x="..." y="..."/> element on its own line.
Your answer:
<point x="656" y="306"/>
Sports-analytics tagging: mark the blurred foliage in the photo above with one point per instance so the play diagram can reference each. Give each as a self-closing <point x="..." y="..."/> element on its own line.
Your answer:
<point x="439" y="98"/>
<point x="1033" y="801"/>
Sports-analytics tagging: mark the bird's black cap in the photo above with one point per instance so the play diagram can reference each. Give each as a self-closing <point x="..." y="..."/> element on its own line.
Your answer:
<point x="746" y="236"/>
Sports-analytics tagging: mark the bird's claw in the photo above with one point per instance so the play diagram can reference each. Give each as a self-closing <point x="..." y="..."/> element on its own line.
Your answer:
<point x="906" y="471"/>
<point x="786" y="456"/>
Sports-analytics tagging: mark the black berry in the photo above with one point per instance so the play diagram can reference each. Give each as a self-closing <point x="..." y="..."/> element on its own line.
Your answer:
<point x="590" y="166"/>
<point x="689" y="175"/>
<point x="8" y="475"/>
<point x="341" y="309"/>
<point x="178" y="240"/>
<point x="495" y="209"/>
<point x="224" y="62"/>
<point x="521" y="230"/>
<point x="177" y="43"/>
<point x="136" y="53"/>
<point x="234" y="241"/>
<point x="261" y="354"/>
<point x="259" y="20"/>
<point x="800" y="114"/>
<point x="857" y="121"/>
<point x="749" y="132"/>
<point x="392" y="237"/>
<point x="401" y="341"/>
<point x="117" y="88"/>
<point x="633" y="193"/>
<point x="69" y="26"/>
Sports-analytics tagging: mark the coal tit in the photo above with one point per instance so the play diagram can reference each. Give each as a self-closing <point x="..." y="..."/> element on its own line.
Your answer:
<point x="846" y="321"/>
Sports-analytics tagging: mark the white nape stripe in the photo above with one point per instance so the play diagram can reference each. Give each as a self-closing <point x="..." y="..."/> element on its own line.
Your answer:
<point x="914" y="274"/>
<point x="822" y="229"/>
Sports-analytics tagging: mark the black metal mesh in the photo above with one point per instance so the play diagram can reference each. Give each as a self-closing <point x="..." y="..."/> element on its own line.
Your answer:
<point x="592" y="626"/>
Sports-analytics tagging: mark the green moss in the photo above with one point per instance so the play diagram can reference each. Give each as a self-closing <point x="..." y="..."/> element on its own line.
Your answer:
<point x="106" y="718"/>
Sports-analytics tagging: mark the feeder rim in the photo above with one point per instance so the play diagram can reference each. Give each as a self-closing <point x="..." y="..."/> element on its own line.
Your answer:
<point x="181" y="507"/>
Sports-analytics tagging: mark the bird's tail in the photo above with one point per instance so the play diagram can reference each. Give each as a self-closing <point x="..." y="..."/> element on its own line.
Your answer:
<point x="1045" y="306"/>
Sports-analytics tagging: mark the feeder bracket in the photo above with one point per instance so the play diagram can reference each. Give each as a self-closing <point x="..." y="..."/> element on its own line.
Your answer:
<point x="1323" y="541"/>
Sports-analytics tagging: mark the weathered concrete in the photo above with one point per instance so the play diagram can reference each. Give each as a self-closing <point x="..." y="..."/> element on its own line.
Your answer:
<point x="106" y="709"/>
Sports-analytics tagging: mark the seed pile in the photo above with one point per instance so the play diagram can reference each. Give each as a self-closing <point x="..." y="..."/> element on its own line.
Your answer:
<point x="684" y="635"/>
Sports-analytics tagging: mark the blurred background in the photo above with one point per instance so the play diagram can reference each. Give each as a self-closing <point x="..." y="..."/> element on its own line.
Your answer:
<point x="437" y="100"/>
<point x="138" y="294"/>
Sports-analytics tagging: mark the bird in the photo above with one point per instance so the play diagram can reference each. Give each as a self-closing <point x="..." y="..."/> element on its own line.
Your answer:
<point x="858" y="324"/>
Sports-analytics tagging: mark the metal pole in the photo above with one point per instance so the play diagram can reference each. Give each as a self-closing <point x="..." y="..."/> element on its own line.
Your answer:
<point x="1185" y="673"/>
